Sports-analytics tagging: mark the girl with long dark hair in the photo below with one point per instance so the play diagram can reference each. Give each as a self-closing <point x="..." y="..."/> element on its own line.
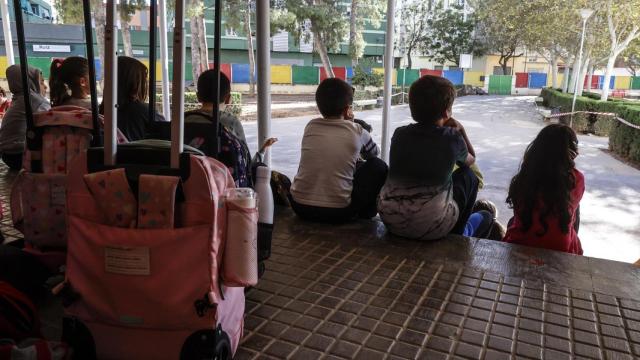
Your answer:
<point x="545" y="194"/>
<point x="69" y="82"/>
<point x="133" y="92"/>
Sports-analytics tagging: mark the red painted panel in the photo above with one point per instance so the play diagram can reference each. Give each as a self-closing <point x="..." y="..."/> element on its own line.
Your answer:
<point x="339" y="71"/>
<point x="226" y="69"/>
<point x="522" y="80"/>
<point x="424" y="72"/>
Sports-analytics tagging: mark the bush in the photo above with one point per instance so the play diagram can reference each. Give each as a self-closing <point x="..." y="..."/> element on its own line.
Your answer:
<point x="590" y="95"/>
<point x="363" y="78"/>
<point x="623" y="140"/>
<point x="191" y="102"/>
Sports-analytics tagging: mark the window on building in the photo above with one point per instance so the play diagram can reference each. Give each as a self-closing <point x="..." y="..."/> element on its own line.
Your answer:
<point x="46" y="14"/>
<point x="229" y="31"/>
<point x="454" y="68"/>
<point x="497" y="70"/>
<point x="438" y="67"/>
<point x="34" y="9"/>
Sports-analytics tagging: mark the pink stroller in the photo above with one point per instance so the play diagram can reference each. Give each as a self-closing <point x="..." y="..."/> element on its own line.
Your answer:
<point x="146" y="241"/>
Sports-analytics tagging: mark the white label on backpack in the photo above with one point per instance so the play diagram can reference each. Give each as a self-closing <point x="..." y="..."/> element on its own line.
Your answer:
<point x="127" y="260"/>
<point x="58" y="195"/>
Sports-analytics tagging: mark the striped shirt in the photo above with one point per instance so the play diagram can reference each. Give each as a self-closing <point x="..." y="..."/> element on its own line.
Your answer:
<point x="330" y="150"/>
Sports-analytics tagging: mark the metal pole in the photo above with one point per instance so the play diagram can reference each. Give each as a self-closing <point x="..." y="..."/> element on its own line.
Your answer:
<point x="217" y="34"/>
<point x="164" y="59"/>
<point x="6" y="28"/>
<point x="264" y="74"/>
<point x="575" y="92"/>
<point x="153" y="28"/>
<point x="388" y="64"/>
<point x="88" y="34"/>
<point x="110" y="84"/>
<point x="177" y="128"/>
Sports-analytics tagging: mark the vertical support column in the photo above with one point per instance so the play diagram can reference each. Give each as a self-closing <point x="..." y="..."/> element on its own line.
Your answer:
<point x="110" y="84"/>
<point x="164" y="59"/>
<point x="88" y="35"/>
<point x="388" y="73"/>
<point x="153" y="28"/>
<point x="6" y="28"/>
<point x="177" y="119"/>
<point x="264" y="74"/>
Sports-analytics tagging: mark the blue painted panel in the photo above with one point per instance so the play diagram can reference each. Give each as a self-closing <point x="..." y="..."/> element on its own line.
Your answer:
<point x="537" y="80"/>
<point x="455" y="76"/>
<point x="240" y="73"/>
<point x="98" y="65"/>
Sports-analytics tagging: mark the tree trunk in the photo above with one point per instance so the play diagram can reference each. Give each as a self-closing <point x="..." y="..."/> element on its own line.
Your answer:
<point x="554" y="71"/>
<point x="195" y="48"/>
<point x="353" y="33"/>
<point x="583" y="75"/>
<point x="409" y="59"/>
<point x="250" y="52"/>
<point x="126" y="37"/>
<point x="504" y="63"/>
<point x="321" y="48"/>
<point x="574" y="76"/>
<point x="607" y="77"/>
<point x="590" y="77"/>
<point x="565" y="80"/>
<point x="204" y="49"/>
<point x="100" y="19"/>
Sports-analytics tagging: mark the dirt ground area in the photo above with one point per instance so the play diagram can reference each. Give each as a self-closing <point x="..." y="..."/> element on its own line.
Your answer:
<point x="282" y="106"/>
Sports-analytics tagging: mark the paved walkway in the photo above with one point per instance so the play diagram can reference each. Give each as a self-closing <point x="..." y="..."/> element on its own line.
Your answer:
<point x="500" y="129"/>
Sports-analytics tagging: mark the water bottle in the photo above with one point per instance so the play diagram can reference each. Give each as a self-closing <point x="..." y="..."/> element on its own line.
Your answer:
<point x="265" y="211"/>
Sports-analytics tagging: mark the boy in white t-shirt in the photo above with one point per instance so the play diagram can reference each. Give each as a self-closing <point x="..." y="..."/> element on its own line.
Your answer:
<point x="339" y="176"/>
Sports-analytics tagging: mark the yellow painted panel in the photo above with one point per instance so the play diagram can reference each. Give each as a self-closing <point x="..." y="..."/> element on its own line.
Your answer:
<point x="622" y="82"/>
<point x="158" y="69"/>
<point x="394" y="75"/>
<point x="473" y="78"/>
<point x="281" y="74"/>
<point x="550" y="80"/>
<point x="3" y="67"/>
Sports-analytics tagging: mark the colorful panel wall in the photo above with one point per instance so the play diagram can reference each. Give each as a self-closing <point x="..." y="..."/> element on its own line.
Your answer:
<point x="455" y="76"/>
<point x="281" y="74"/>
<point x="408" y="76"/>
<point x="424" y="72"/>
<point x="339" y="71"/>
<point x="305" y="75"/>
<point x="537" y="80"/>
<point x="522" y="80"/>
<point x="473" y="78"/>
<point x="623" y="82"/>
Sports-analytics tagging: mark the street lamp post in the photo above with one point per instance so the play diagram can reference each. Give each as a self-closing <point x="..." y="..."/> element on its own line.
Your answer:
<point x="585" y="14"/>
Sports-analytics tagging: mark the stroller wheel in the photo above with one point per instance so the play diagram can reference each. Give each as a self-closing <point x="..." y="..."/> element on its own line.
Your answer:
<point x="207" y="345"/>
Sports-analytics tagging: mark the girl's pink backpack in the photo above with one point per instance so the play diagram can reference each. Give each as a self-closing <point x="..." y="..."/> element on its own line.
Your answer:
<point x="144" y="257"/>
<point x="38" y="199"/>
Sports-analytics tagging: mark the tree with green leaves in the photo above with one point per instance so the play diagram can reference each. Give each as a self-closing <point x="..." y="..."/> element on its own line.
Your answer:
<point x="623" y="23"/>
<point x="412" y="28"/>
<point x="126" y="9"/>
<point x="70" y="12"/>
<point x="324" y="20"/>
<point x="500" y="27"/>
<point x="199" y="47"/>
<point x="631" y="58"/>
<point x="239" y="14"/>
<point x="449" y="36"/>
<point x="363" y="12"/>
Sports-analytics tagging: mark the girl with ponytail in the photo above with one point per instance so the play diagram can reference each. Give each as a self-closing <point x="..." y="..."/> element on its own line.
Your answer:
<point x="69" y="82"/>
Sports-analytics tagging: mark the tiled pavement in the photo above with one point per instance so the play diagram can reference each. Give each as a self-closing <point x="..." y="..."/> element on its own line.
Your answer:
<point x="352" y="291"/>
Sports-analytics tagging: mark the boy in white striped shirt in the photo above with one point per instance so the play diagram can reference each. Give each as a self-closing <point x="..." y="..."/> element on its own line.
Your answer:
<point x="340" y="175"/>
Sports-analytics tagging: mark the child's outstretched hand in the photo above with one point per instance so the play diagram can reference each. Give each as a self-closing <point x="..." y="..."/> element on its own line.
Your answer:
<point x="451" y="122"/>
<point x="267" y="144"/>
